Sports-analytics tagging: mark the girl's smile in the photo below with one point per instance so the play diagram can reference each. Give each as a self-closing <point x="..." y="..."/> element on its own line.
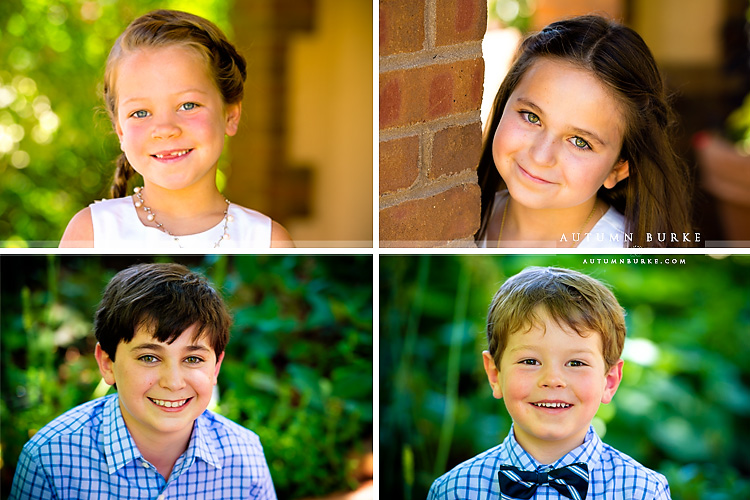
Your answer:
<point x="559" y="138"/>
<point x="171" y="118"/>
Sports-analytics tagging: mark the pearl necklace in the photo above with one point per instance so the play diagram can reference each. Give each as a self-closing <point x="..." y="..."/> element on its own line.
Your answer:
<point x="151" y="216"/>
<point x="505" y="212"/>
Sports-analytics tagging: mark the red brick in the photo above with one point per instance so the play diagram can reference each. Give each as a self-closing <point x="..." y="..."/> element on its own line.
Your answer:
<point x="460" y="21"/>
<point x="399" y="163"/>
<point x="456" y="149"/>
<point x="390" y="99"/>
<point x="437" y="220"/>
<point x="401" y="26"/>
<point x="422" y="94"/>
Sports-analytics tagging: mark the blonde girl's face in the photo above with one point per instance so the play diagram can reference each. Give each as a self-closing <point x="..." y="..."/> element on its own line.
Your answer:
<point x="170" y="117"/>
<point x="559" y="137"/>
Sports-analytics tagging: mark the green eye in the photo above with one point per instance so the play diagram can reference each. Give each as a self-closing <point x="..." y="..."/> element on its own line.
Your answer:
<point x="580" y="143"/>
<point x="193" y="360"/>
<point x="532" y="118"/>
<point x="147" y="358"/>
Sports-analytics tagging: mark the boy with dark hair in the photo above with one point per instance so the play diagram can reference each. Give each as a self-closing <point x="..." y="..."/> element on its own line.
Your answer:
<point x="161" y="332"/>
<point x="555" y="339"/>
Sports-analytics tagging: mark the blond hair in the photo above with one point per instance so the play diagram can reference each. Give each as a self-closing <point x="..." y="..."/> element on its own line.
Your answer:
<point x="568" y="297"/>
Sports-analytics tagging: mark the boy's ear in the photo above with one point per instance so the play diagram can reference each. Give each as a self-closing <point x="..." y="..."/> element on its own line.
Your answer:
<point x="233" y="113"/>
<point x="218" y="367"/>
<point x="620" y="171"/>
<point x="493" y="376"/>
<point x="612" y="381"/>
<point x="105" y="364"/>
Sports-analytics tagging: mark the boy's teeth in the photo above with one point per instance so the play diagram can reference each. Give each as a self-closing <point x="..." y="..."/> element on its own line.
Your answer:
<point x="171" y="155"/>
<point x="552" y="405"/>
<point x="169" y="404"/>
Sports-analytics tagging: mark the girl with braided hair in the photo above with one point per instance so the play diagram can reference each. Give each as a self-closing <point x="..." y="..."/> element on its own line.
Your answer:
<point x="173" y="88"/>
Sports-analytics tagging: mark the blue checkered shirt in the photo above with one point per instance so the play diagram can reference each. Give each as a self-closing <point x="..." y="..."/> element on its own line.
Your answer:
<point x="89" y="453"/>
<point x="612" y="474"/>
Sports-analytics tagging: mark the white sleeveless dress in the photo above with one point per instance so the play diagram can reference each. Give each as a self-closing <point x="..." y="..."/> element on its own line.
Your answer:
<point x="608" y="232"/>
<point x="117" y="227"/>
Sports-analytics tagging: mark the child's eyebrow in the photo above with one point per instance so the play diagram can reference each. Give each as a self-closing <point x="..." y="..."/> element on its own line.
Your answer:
<point x="148" y="347"/>
<point x="160" y="347"/>
<point x="177" y="93"/>
<point x="581" y="131"/>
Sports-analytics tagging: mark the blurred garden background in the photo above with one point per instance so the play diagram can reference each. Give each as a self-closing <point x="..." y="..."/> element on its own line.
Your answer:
<point x="683" y="407"/>
<point x="309" y="61"/>
<point x="297" y="371"/>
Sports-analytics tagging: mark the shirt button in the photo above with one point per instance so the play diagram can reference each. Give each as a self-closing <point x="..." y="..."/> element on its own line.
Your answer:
<point x="145" y="465"/>
<point x="161" y="497"/>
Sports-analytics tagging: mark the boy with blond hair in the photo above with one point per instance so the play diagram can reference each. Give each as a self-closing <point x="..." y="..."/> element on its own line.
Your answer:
<point x="555" y="339"/>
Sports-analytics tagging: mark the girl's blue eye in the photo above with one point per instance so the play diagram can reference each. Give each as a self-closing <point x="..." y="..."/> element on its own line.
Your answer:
<point x="530" y="117"/>
<point x="188" y="106"/>
<point x="581" y="143"/>
<point x="141" y="113"/>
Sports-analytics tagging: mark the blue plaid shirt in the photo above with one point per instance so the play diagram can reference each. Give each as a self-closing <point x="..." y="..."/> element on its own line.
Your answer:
<point x="611" y="474"/>
<point x="89" y="453"/>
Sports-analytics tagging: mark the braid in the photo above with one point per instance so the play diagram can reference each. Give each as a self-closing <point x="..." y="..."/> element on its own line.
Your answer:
<point x="123" y="172"/>
<point x="161" y="28"/>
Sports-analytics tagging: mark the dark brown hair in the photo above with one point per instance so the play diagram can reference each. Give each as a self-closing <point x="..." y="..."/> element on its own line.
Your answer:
<point x="166" y="299"/>
<point x="162" y="28"/>
<point x="568" y="297"/>
<point x="655" y="196"/>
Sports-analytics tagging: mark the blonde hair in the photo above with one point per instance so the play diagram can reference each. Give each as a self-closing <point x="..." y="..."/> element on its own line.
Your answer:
<point x="162" y="28"/>
<point x="567" y="296"/>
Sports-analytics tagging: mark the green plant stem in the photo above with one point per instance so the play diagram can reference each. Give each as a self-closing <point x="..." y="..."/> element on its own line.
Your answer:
<point x="454" y="359"/>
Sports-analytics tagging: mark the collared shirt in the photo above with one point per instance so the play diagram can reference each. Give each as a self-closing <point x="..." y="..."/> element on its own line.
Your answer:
<point x="88" y="452"/>
<point x="612" y="474"/>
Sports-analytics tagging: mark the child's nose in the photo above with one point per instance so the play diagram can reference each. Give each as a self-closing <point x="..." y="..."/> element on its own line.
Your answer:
<point x="165" y="128"/>
<point x="543" y="150"/>
<point x="551" y="377"/>
<point x="171" y="378"/>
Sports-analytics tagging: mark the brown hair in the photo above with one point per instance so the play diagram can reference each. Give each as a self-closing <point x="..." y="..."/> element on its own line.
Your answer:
<point x="567" y="296"/>
<point x="654" y="198"/>
<point x="167" y="299"/>
<point x="162" y="28"/>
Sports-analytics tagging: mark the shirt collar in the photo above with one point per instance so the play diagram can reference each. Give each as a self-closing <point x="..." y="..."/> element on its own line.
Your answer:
<point x="202" y="445"/>
<point x="589" y="452"/>
<point x="120" y="448"/>
<point x="115" y="439"/>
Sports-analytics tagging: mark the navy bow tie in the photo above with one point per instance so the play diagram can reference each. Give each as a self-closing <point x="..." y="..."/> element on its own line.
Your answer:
<point x="571" y="481"/>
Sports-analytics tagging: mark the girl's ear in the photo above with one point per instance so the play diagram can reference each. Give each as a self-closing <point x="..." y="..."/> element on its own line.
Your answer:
<point x="493" y="375"/>
<point x="118" y="131"/>
<point x="105" y="364"/>
<point x="620" y="171"/>
<point x="232" y="113"/>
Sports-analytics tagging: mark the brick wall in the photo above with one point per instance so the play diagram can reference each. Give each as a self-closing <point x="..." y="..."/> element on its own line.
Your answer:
<point x="431" y="74"/>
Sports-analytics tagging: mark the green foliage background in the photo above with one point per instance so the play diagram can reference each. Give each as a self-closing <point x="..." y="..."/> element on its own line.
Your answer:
<point x="683" y="407"/>
<point x="297" y="370"/>
<point x="57" y="147"/>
